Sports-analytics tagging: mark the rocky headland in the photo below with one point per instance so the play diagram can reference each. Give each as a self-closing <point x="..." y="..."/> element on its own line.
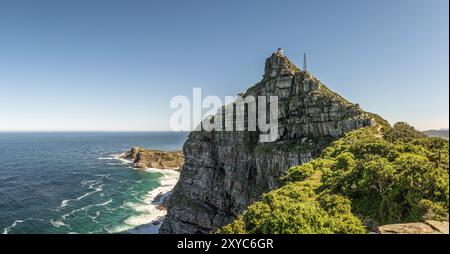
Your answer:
<point x="145" y="158"/>
<point x="334" y="168"/>
<point x="225" y="172"/>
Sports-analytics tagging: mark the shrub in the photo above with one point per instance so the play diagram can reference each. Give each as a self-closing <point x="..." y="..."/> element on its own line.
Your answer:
<point x="299" y="173"/>
<point x="402" y="177"/>
<point x="296" y="209"/>
<point x="403" y="132"/>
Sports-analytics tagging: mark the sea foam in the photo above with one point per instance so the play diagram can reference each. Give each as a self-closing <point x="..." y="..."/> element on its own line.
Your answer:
<point x="94" y="185"/>
<point x="16" y="222"/>
<point x="151" y="214"/>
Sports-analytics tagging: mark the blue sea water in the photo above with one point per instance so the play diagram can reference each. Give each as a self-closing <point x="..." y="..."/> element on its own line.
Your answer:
<point x="71" y="183"/>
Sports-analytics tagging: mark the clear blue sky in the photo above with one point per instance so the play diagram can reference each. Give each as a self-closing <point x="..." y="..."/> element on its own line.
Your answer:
<point x="115" y="65"/>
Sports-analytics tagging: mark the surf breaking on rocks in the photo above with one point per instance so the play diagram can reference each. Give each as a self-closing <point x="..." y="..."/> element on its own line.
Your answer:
<point x="150" y="209"/>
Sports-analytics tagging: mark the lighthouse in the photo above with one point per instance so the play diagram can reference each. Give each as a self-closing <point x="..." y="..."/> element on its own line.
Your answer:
<point x="280" y="51"/>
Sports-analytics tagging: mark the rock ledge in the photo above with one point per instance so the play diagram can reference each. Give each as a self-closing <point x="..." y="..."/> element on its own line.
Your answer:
<point x="427" y="227"/>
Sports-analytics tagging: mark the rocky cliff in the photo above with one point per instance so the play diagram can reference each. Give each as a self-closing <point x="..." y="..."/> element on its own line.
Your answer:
<point x="224" y="172"/>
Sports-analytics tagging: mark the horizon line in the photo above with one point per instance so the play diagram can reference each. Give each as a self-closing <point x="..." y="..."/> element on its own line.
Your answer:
<point x="134" y="131"/>
<point x="98" y="131"/>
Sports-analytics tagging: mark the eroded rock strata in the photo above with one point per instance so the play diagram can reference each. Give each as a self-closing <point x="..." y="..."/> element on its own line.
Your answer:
<point x="224" y="172"/>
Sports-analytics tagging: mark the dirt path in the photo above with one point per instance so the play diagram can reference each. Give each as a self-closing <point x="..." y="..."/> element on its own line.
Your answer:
<point x="380" y="133"/>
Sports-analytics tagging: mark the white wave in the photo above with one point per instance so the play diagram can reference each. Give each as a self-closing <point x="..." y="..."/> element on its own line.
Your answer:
<point x="95" y="185"/>
<point x="6" y="230"/>
<point x="125" y="161"/>
<point x="106" y="158"/>
<point x="114" y="163"/>
<point x="86" y="182"/>
<point x="16" y="222"/>
<point x="64" y="203"/>
<point x="117" y="157"/>
<point x="151" y="214"/>
<point x="85" y="208"/>
<point x="58" y="223"/>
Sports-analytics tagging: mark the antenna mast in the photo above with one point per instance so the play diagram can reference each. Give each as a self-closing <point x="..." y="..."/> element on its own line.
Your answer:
<point x="304" y="62"/>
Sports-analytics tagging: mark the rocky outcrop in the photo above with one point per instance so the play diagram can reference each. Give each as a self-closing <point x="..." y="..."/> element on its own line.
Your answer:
<point x="224" y="172"/>
<point x="143" y="158"/>
<point x="427" y="227"/>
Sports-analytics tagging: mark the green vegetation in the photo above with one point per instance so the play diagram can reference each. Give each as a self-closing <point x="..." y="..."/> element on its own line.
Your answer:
<point x="402" y="132"/>
<point x="400" y="177"/>
<point x="297" y="208"/>
<point x="385" y="126"/>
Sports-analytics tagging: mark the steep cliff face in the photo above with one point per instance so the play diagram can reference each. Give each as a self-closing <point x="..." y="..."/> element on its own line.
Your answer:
<point x="224" y="172"/>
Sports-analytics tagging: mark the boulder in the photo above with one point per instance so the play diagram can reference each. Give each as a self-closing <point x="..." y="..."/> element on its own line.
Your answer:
<point x="427" y="227"/>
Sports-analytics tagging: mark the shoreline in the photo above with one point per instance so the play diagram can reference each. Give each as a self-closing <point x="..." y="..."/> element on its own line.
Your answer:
<point x="153" y="212"/>
<point x="155" y="200"/>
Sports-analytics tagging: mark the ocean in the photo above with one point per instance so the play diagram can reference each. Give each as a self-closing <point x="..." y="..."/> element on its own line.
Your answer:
<point x="74" y="182"/>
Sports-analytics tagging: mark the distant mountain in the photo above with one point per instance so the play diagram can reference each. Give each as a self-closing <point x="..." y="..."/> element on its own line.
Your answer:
<point x="442" y="133"/>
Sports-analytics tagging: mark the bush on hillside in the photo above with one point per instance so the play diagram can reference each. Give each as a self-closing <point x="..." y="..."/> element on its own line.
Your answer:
<point x="402" y="177"/>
